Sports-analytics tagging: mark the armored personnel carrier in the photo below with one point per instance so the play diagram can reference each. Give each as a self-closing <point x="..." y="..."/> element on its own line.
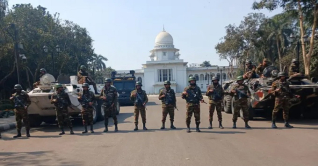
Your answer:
<point x="41" y="109"/>
<point x="124" y="83"/>
<point x="261" y="102"/>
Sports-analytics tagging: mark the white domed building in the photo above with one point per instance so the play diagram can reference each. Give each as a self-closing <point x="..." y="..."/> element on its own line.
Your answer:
<point x="165" y="65"/>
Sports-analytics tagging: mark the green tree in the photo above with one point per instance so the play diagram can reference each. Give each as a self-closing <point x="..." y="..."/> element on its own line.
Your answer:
<point x="205" y="64"/>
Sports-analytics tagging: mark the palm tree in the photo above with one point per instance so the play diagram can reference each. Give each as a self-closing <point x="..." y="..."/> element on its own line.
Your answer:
<point x="98" y="62"/>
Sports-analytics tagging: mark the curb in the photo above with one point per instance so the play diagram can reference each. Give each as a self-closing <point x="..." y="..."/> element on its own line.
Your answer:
<point x="8" y="126"/>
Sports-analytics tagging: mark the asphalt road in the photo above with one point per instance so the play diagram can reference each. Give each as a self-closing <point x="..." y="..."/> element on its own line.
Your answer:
<point x="260" y="145"/>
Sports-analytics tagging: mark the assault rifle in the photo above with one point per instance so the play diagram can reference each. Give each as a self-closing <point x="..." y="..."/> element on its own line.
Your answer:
<point x="18" y="102"/>
<point x="85" y="102"/>
<point x="241" y="94"/>
<point x="194" y="97"/>
<point x="215" y="96"/>
<point x="139" y="101"/>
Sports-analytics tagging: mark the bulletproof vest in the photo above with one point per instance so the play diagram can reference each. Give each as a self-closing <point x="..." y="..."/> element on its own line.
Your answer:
<point x="61" y="100"/>
<point x="86" y="98"/>
<point x="19" y="100"/>
<point x="109" y="93"/>
<point x="169" y="97"/>
<point x="193" y="95"/>
<point x="83" y="73"/>
<point x="216" y="94"/>
<point x="241" y="92"/>
<point x="140" y="98"/>
<point x="284" y="88"/>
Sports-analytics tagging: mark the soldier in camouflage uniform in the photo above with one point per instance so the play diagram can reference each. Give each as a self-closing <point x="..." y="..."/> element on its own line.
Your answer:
<point x="21" y="102"/>
<point x="281" y="90"/>
<point x="87" y="99"/>
<point x="109" y="97"/>
<point x="193" y="96"/>
<point x="61" y="101"/>
<point x="168" y="98"/>
<point x="294" y="68"/>
<point x="80" y="76"/>
<point x="249" y="70"/>
<point x="260" y="68"/>
<point x="140" y="99"/>
<point x="42" y="73"/>
<point x="215" y="93"/>
<point x="240" y="92"/>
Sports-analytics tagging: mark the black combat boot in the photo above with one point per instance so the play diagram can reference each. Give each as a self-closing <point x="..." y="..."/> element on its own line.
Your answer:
<point x="274" y="125"/>
<point x="71" y="130"/>
<point x="220" y="125"/>
<point x="210" y="127"/>
<point x="0" y="134"/>
<point x="247" y="126"/>
<point x="18" y="134"/>
<point x="163" y="126"/>
<point x="136" y="127"/>
<point x="62" y="129"/>
<point x="188" y="128"/>
<point x="287" y="125"/>
<point x="116" y="128"/>
<point x="28" y="133"/>
<point x="85" y="129"/>
<point x="172" y="126"/>
<point x="144" y="126"/>
<point x="92" y="129"/>
<point x="106" y="129"/>
<point x="198" y="127"/>
<point x="234" y="125"/>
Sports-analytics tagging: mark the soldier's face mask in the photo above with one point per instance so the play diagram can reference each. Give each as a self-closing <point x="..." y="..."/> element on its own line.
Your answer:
<point x="107" y="83"/>
<point x="85" y="88"/>
<point x="59" y="89"/>
<point x="138" y="86"/>
<point x="18" y="90"/>
<point x="42" y="72"/>
<point x="215" y="82"/>
<point x="167" y="86"/>
<point x="240" y="82"/>
<point x="282" y="78"/>
<point x="192" y="82"/>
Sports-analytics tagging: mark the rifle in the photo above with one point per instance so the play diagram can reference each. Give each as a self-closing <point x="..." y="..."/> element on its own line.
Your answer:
<point x="139" y="100"/>
<point x="19" y="102"/>
<point x="241" y="94"/>
<point x="176" y="108"/>
<point x="85" y="102"/>
<point x="168" y="98"/>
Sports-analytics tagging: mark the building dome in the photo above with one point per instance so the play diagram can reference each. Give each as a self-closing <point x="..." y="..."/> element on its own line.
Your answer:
<point x="164" y="38"/>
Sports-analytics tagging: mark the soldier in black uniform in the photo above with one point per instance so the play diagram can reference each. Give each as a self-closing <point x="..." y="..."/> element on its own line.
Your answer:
<point x="168" y="98"/>
<point x="109" y="97"/>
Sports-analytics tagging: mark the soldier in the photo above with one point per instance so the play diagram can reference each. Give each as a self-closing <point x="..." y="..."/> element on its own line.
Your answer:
<point x="260" y="68"/>
<point x="82" y="76"/>
<point x="240" y="92"/>
<point x="281" y="90"/>
<point x="21" y="102"/>
<point x="87" y="99"/>
<point x="109" y="97"/>
<point x="294" y="68"/>
<point x="61" y="101"/>
<point x="193" y="96"/>
<point x="42" y="73"/>
<point x="168" y="98"/>
<point x="249" y="70"/>
<point x="140" y="99"/>
<point x="215" y="93"/>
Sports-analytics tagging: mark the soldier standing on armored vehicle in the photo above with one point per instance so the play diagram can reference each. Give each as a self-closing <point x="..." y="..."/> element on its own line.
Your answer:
<point x="215" y="93"/>
<point x="260" y="68"/>
<point x="240" y="92"/>
<point x="87" y="99"/>
<point x="193" y="96"/>
<point x="82" y="76"/>
<point x="61" y="101"/>
<point x="282" y="92"/>
<point x="168" y="98"/>
<point x="109" y="97"/>
<point x="42" y="73"/>
<point x="249" y="70"/>
<point x="21" y="102"/>
<point x="140" y="99"/>
<point x="294" y="68"/>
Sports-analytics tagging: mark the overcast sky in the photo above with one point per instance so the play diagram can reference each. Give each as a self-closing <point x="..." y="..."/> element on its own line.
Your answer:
<point x="124" y="31"/>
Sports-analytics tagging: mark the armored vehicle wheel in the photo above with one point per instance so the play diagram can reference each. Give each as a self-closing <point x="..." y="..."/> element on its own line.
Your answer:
<point x="49" y="119"/>
<point x="35" y="120"/>
<point x="227" y="104"/>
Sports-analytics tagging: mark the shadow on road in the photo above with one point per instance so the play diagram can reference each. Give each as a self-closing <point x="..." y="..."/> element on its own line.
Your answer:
<point x="33" y="158"/>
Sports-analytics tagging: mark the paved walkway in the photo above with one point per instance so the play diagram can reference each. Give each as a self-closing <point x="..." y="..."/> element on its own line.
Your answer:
<point x="7" y="123"/>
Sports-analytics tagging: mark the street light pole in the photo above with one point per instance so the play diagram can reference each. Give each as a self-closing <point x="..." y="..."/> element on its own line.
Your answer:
<point x="16" y="51"/>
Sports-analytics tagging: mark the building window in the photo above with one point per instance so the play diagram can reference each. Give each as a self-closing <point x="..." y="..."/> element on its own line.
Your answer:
<point x="201" y="86"/>
<point x="224" y="76"/>
<point x="218" y="75"/>
<point x="201" y="77"/>
<point x="139" y="79"/>
<point x="207" y="76"/>
<point x="164" y="75"/>
<point x="190" y="75"/>
<point x="164" y="53"/>
<point x="196" y="77"/>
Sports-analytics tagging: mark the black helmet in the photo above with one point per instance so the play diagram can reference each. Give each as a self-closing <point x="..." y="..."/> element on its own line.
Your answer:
<point x="248" y="62"/>
<point x="281" y="74"/>
<point x="42" y="70"/>
<point x="167" y="83"/>
<point x="192" y="79"/>
<point x="83" y="67"/>
<point x="85" y="85"/>
<point x="295" y="61"/>
<point x="108" y="80"/>
<point x="215" y="78"/>
<point x="17" y="86"/>
<point x="138" y="83"/>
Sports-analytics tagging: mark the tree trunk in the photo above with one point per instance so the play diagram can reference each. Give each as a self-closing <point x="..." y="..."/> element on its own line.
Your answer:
<point x="279" y="55"/>
<point x="8" y="75"/>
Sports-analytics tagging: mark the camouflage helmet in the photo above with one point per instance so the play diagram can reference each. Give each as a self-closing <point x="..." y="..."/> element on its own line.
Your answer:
<point x="83" y="67"/>
<point x="85" y="85"/>
<point x="108" y="80"/>
<point x="215" y="78"/>
<point x="167" y="83"/>
<point x="138" y="83"/>
<point x="192" y="79"/>
<point x="239" y="78"/>
<point x="281" y="74"/>
<point x="58" y="86"/>
<point x="17" y="86"/>
<point x="42" y="70"/>
<point x="248" y="62"/>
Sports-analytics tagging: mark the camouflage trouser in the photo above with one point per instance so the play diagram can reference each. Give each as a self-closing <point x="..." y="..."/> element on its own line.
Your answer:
<point x="238" y="105"/>
<point x="108" y="110"/>
<point x="87" y="116"/>
<point x="142" y="111"/>
<point x="281" y="103"/>
<point x="22" y="114"/>
<point x="63" y="118"/>
<point x="215" y="105"/>
<point x="167" y="110"/>
<point x="193" y="109"/>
